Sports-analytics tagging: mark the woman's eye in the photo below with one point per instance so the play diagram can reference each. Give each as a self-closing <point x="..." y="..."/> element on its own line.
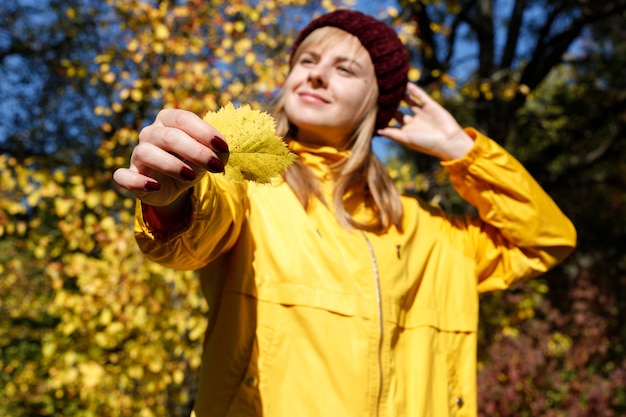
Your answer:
<point x="345" y="70"/>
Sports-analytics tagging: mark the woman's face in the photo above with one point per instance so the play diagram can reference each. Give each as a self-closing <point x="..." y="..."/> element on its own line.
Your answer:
<point x="328" y="89"/>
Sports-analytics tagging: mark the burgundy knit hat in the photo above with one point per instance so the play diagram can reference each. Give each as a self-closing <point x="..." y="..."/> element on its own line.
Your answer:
<point x="390" y="59"/>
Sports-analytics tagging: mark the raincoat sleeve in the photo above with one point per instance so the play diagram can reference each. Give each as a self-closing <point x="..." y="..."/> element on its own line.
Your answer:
<point x="521" y="232"/>
<point x="211" y="227"/>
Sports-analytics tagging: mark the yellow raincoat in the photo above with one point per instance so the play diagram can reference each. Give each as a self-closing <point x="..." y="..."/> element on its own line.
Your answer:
<point x="310" y="319"/>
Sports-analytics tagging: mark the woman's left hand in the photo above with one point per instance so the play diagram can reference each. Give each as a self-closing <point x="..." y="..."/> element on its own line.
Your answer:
<point x="431" y="129"/>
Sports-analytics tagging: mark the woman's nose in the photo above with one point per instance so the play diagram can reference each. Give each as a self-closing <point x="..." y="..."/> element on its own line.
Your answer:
<point x="318" y="77"/>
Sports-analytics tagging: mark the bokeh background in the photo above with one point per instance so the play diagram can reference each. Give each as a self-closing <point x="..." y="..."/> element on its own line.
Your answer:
<point x="88" y="327"/>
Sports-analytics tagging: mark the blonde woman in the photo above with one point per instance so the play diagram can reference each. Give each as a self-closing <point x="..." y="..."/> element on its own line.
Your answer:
<point x="329" y="293"/>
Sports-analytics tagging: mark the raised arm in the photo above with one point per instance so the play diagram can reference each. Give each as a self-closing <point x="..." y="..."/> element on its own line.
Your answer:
<point x="521" y="232"/>
<point x="431" y="129"/>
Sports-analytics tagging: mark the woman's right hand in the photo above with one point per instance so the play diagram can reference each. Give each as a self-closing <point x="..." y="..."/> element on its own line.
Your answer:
<point x="173" y="154"/>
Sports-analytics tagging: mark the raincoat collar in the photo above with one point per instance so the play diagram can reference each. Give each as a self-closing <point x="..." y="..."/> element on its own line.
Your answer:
<point x="319" y="158"/>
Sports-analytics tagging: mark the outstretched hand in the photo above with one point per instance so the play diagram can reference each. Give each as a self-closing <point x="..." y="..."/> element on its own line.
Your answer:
<point x="431" y="129"/>
<point x="173" y="154"/>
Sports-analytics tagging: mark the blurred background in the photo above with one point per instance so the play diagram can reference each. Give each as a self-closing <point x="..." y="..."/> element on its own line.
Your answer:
<point x="88" y="327"/>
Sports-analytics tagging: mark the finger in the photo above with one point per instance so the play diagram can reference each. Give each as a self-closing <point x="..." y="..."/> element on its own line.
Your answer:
<point x="418" y="95"/>
<point x="197" y="129"/>
<point x="190" y="123"/>
<point x="392" y="133"/>
<point x="134" y="181"/>
<point x="412" y="101"/>
<point x="154" y="162"/>
<point x="178" y="142"/>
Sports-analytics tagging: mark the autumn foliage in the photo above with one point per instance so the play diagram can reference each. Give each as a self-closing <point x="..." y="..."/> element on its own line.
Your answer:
<point x="82" y="313"/>
<point x="88" y="327"/>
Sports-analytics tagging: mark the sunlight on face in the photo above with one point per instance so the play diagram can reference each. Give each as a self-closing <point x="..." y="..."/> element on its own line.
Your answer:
<point x="330" y="87"/>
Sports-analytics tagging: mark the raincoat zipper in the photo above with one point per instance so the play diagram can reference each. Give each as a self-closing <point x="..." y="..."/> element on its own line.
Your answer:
<point x="380" y="322"/>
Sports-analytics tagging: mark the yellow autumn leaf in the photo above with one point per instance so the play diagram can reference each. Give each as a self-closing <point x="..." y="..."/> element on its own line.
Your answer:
<point x="48" y="348"/>
<point x="414" y="74"/>
<point x="136" y="95"/>
<point x="62" y="206"/>
<point x="92" y="199"/>
<point x="178" y="376"/>
<point x="106" y="316"/>
<point x="108" y="78"/>
<point x="135" y="372"/>
<point x="250" y="58"/>
<point x="161" y="32"/>
<point x="256" y="152"/>
<point x="108" y="198"/>
<point x="91" y="373"/>
<point x="240" y="26"/>
<point x="156" y="364"/>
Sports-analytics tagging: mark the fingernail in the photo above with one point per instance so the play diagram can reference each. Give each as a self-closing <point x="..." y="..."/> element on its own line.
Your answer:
<point x="219" y="144"/>
<point x="151" y="186"/>
<point x="187" y="173"/>
<point x="215" y="165"/>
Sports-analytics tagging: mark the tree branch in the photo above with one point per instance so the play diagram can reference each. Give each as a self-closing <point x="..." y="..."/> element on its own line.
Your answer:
<point x="515" y="24"/>
<point x="430" y="61"/>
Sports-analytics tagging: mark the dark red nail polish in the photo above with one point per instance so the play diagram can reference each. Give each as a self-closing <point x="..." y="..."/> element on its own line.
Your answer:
<point x="151" y="186"/>
<point x="219" y="144"/>
<point x="187" y="173"/>
<point x="215" y="165"/>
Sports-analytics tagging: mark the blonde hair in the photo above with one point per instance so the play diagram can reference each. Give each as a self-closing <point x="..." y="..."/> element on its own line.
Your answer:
<point x="361" y="170"/>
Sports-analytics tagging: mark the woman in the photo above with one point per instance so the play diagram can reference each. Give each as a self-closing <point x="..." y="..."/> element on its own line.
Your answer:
<point x="330" y="294"/>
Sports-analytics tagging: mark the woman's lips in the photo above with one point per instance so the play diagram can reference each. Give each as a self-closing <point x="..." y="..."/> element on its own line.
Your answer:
<point x="310" y="97"/>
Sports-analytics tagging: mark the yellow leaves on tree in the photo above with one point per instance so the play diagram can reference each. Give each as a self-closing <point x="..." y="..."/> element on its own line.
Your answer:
<point x="256" y="153"/>
<point x="86" y="323"/>
<point x="90" y="327"/>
